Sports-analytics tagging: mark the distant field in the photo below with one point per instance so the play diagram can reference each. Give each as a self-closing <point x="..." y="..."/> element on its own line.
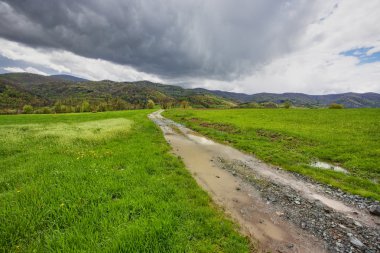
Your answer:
<point x="101" y="182"/>
<point x="294" y="138"/>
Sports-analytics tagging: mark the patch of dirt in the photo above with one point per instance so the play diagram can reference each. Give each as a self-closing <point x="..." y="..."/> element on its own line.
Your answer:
<point x="291" y="141"/>
<point x="228" y="128"/>
<point x="269" y="134"/>
<point x="221" y="127"/>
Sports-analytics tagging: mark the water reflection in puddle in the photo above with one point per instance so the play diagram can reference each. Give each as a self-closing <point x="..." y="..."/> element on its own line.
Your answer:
<point x="327" y="166"/>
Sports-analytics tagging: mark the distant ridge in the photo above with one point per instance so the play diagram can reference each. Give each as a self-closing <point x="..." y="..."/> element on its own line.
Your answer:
<point x="69" y="78"/>
<point x="349" y="99"/>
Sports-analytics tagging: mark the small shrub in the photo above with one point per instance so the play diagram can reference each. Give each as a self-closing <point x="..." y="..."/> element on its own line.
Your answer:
<point x="336" y="106"/>
<point x="103" y="107"/>
<point x="287" y="104"/>
<point x="269" y="105"/>
<point x="184" y="104"/>
<point x="77" y="108"/>
<point x="85" y="107"/>
<point x="150" y="104"/>
<point x="27" y="109"/>
<point x="46" y="110"/>
<point x="69" y="109"/>
<point x="58" y="106"/>
<point x="94" y="108"/>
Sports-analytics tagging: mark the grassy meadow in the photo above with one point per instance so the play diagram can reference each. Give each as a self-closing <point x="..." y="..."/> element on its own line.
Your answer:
<point x="294" y="138"/>
<point x="101" y="182"/>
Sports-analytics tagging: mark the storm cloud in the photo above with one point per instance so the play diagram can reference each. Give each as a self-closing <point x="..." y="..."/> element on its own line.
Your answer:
<point x="214" y="39"/>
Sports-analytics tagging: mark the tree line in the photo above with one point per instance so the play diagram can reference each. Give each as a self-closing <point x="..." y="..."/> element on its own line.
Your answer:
<point x="114" y="104"/>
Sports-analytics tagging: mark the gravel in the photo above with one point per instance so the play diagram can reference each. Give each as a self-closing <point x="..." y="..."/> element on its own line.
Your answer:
<point x="339" y="232"/>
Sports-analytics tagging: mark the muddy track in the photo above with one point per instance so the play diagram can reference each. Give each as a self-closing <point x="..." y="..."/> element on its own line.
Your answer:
<point x="279" y="211"/>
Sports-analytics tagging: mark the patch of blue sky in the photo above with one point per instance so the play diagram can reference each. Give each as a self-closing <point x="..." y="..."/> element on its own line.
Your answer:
<point x="363" y="55"/>
<point x="9" y="63"/>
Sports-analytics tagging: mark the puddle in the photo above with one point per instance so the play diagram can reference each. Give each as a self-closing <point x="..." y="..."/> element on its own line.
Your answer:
<point x="200" y="139"/>
<point x="327" y="166"/>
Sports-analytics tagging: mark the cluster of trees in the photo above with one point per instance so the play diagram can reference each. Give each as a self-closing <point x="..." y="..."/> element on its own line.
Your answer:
<point x="114" y="104"/>
<point x="70" y="106"/>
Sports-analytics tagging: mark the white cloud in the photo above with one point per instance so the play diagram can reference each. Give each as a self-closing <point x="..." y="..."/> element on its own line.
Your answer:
<point x="66" y="62"/>
<point x="373" y="50"/>
<point x="14" y="69"/>
<point x="28" y="69"/>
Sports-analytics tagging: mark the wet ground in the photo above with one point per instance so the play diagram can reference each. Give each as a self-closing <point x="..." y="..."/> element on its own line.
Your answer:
<point x="279" y="211"/>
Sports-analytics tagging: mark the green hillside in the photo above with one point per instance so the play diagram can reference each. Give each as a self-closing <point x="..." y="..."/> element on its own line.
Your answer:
<point x="61" y="95"/>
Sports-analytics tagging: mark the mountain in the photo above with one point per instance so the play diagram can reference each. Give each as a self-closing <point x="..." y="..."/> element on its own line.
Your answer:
<point x="26" y="78"/>
<point x="40" y="90"/>
<point x="70" y="78"/>
<point x="19" y="89"/>
<point x="238" y="97"/>
<point x="349" y="100"/>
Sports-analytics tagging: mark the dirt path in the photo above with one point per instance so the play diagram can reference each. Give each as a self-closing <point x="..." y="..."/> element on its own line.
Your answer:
<point x="278" y="209"/>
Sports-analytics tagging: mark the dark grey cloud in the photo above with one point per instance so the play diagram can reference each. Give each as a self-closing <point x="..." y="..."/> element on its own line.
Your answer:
<point x="215" y="39"/>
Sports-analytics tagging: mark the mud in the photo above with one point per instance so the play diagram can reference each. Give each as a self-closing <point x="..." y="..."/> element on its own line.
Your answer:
<point x="265" y="200"/>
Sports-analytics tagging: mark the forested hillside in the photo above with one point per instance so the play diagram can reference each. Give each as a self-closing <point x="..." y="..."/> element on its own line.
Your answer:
<point x="64" y="93"/>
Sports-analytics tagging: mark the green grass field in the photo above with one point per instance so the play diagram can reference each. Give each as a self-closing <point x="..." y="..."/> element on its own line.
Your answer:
<point x="101" y="182"/>
<point x="294" y="138"/>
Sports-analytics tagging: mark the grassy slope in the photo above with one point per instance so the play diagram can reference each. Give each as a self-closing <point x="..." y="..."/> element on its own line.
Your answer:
<point x="293" y="138"/>
<point x="102" y="182"/>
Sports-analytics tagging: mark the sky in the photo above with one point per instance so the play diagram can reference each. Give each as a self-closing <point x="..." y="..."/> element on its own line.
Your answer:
<point x="250" y="46"/>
